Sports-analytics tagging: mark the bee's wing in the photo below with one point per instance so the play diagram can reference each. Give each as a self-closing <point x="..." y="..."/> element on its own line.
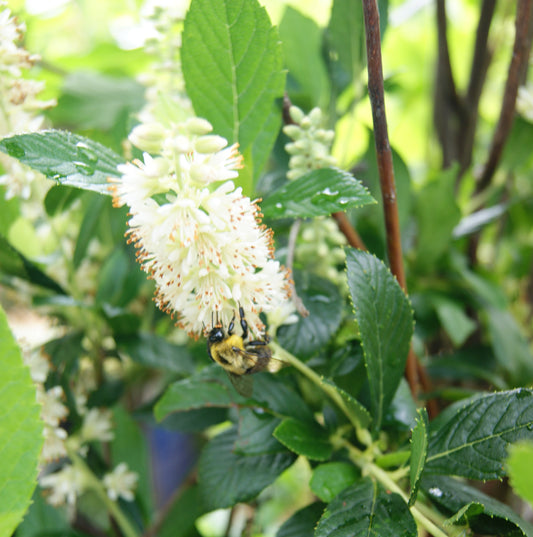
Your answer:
<point x="244" y="384"/>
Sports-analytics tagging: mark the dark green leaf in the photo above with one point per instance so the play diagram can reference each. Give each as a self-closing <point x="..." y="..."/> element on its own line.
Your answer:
<point x="64" y="352"/>
<point x="232" y="65"/>
<point x="192" y="393"/>
<point x="419" y="451"/>
<point x="91" y="100"/>
<point x="321" y="297"/>
<point x="69" y="159"/>
<point x="302" y="38"/>
<point x="305" y="438"/>
<point x="227" y="478"/>
<point x="511" y="348"/>
<point x="88" y="227"/>
<point x="317" y="193"/>
<point x="470" y="438"/>
<point x="303" y="522"/>
<point x="180" y="519"/>
<point x="366" y="509"/>
<point x="59" y="198"/>
<point x="385" y="322"/>
<point x="152" y="350"/>
<point x="255" y="434"/>
<point x="483" y="514"/>
<point x="331" y="478"/>
<point x="358" y="414"/>
<point x="194" y="421"/>
<point x="13" y="263"/>
<point x="21" y="432"/>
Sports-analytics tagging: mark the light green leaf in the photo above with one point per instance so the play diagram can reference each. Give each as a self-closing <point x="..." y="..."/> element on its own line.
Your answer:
<point x="21" y="432"/>
<point x="232" y="65"/>
<point x="470" y="438"/>
<point x="366" y="509"/>
<point x="385" y="321"/>
<point x="468" y="505"/>
<point x="438" y="214"/>
<point x="453" y="318"/>
<point x="302" y="48"/>
<point x="227" y="478"/>
<point x="520" y="469"/>
<point x="317" y="193"/>
<point x="331" y="478"/>
<point x="304" y="438"/>
<point x="510" y="346"/>
<point x="419" y="451"/>
<point x="69" y="159"/>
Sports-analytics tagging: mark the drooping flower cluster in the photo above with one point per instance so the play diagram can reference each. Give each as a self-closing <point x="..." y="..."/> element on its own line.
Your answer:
<point x="320" y="243"/>
<point x="197" y="236"/>
<point x="19" y="106"/>
<point x="70" y="481"/>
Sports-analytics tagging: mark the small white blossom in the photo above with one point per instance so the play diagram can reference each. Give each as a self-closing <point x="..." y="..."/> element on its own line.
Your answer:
<point x="97" y="425"/>
<point x="53" y="411"/>
<point x="38" y="364"/>
<point x="54" y="443"/>
<point x="120" y="483"/>
<point x="65" y="485"/>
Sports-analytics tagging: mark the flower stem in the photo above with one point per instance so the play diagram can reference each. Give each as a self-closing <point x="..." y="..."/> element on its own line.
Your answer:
<point x="96" y="485"/>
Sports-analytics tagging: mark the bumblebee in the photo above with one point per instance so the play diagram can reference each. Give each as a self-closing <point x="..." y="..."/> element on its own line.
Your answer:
<point x="238" y="357"/>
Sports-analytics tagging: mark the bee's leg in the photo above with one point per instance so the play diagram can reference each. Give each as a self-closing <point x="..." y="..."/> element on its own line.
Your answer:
<point x="231" y="325"/>
<point x="244" y="324"/>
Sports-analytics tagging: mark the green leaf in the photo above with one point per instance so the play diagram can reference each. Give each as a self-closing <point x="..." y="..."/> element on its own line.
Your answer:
<point x="69" y="159"/>
<point x="59" y="198"/>
<point x="436" y="203"/>
<point x="510" y="346"/>
<point x="453" y="318"/>
<point x="346" y="37"/>
<point x="227" y="478"/>
<point x="483" y="514"/>
<point x="128" y="433"/>
<point x="385" y="321"/>
<point x="305" y="438"/>
<point x="21" y="432"/>
<point x="152" y="350"/>
<point x="317" y="193"/>
<point x="359" y="415"/>
<point x="366" y="509"/>
<point x="180" y="519"/>
<point x="255" y="434"/>
<point x="331" y="478"/>
<point x="13" y="263"/>
<point x="419" y="451"/>
<point x="232" y="65"/>
<point x="470" y="438"/>
<point x="192" y="393"/>
<point x="309" y="334"/>
<point x="302" y="48"/>
<point x="88" y="227"/>
<point x="520" y="469"/>
<point x="303" y="522"/>
<point x="91" y="100"/>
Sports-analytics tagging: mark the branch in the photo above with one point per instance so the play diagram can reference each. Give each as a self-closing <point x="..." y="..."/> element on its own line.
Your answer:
<point x="517" y="69"/>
